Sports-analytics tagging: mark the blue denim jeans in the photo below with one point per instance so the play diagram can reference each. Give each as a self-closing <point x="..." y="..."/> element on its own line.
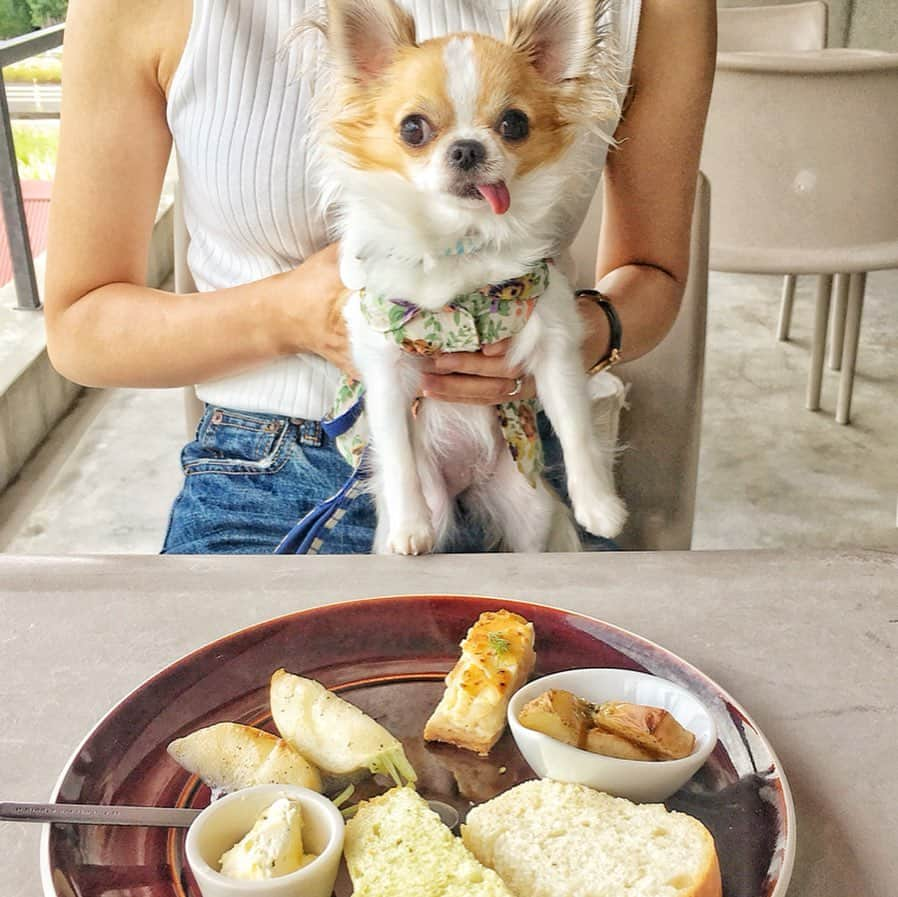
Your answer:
<point x="248" y="478"/>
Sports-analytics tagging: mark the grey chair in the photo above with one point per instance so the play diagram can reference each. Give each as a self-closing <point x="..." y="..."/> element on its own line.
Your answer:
<point x="801" y="150"/>
<point x="658" y="469"/>
<point x="782" y="28"/>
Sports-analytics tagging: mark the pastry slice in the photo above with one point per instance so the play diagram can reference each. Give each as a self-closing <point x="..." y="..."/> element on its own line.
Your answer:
<point x="229" y="756"/>
<point x="496" y="658"/>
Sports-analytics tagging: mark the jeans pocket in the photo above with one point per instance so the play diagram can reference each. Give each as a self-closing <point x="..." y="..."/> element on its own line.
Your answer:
<point x="239" y="443"/>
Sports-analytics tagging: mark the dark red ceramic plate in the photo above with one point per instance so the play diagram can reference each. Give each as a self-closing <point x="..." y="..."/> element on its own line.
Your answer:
<point x="388" y="656"/>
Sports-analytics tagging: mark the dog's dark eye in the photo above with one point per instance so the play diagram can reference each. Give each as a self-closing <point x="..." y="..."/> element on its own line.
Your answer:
<point x="415" y="130"/>
<point x="514" y="125"/>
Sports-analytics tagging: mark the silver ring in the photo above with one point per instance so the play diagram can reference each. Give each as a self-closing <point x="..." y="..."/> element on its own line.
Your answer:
<point x="518" y="383"/>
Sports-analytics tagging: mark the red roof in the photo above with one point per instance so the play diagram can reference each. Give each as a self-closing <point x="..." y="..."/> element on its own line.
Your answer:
<point x="36" y="196"/>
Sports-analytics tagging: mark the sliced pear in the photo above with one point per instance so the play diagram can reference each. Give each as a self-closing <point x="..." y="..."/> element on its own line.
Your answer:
<point x="230" y="756"/>
<point x="335" y="735"/>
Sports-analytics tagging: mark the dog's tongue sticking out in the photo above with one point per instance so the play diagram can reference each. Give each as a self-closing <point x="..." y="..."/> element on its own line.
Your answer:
<point x="496" y="195"/>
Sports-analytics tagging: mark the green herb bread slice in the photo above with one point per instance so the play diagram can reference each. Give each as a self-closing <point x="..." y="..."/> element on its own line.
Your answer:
<point x="549" y="839"/>
<point x="396" y="846"/>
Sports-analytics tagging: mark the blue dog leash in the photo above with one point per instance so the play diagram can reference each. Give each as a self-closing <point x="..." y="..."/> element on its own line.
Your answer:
<point x="326" y="514"/>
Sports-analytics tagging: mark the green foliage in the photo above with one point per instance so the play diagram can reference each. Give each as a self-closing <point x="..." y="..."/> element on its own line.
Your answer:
<point x="45" y="69"/>
<point x="46" y="12"/>
<point x="15" y="18"/>
<point x="20" y="16"/>
<point x="36" y="147"/>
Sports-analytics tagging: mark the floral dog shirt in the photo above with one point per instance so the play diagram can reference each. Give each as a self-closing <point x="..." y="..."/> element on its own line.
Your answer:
<point x="469" y="321"/>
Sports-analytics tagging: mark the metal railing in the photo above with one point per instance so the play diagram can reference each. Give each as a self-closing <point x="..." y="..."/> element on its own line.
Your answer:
<point x="11" y="51"/>
<point x="34" y="101"/>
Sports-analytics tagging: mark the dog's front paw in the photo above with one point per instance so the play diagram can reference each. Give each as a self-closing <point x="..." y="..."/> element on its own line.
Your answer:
<point x="411" y="537"/>
<point x="599" y="512"/>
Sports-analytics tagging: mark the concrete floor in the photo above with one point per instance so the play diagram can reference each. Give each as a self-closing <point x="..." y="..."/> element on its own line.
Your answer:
<point x="771" y="473"/>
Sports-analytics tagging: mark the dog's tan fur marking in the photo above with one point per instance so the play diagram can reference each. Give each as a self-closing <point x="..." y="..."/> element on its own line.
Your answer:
<point x="550" y="129"/>
<point x="370" y="112"/>
<point x="367" y="128"/>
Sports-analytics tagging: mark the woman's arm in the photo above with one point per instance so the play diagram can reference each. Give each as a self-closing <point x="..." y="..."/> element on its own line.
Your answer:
<point x="104" y="327"/>
<point x="650" y="177"/>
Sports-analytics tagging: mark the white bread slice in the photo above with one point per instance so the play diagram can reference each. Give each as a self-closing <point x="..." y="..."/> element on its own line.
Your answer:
<point x="396" y="846"/>
<point x="229" y="756"/>
<point x="497" y="657"/>
<point x="549" y="839"/>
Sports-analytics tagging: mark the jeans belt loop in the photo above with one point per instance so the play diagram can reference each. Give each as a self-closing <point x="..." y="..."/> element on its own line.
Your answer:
<point x="309" y="432"/>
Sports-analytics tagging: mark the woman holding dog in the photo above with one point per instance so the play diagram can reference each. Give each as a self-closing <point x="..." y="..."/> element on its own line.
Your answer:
<point x="265" y="337"/>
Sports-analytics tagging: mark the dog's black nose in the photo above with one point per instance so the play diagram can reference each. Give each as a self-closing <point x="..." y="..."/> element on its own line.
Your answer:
<point x="465" y="154"/>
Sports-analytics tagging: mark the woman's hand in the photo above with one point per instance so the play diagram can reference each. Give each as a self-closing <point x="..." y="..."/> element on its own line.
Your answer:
<point x="486" y="377"/>
<point x="315" y="321"/>
<point x="475" y="378"/>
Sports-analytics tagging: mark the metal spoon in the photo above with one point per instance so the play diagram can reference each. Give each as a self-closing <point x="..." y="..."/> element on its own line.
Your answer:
<point x="448" y="814"/>
<point x="86" y="814"/>
<point x="167" y="817"/>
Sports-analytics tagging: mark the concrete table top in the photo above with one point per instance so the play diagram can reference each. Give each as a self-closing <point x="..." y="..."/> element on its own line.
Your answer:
<point x="807" y="642"/>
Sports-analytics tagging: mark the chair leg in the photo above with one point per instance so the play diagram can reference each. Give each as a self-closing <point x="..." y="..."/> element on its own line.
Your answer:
<point x="840" y="290"/>
<point x="818" y="350"/>
<point x="786" y="307"/>
<point x="852" y="335"/>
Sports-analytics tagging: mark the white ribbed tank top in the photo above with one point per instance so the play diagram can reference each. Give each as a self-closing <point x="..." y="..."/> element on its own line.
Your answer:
<point x="238" y="109"/>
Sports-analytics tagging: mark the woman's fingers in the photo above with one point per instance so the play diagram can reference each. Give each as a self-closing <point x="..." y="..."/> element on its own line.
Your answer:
<point x="475" y="390"/>
<point x="475" y="378"/>
<point x="474" y="363"/>
<point x="499" y="348"/>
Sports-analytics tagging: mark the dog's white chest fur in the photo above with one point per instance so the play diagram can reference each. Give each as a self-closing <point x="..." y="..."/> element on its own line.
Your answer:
<point x="427" y="464"/>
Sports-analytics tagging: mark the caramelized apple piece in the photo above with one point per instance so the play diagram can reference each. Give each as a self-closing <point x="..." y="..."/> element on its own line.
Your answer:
<point x="558" y="714"/>
<point x="652" y="728"/>
<point x="600" y="742"/>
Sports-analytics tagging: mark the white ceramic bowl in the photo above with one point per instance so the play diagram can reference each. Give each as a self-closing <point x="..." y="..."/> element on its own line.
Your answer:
<point x="638" y="780"/>
<point x="224" y="822"/>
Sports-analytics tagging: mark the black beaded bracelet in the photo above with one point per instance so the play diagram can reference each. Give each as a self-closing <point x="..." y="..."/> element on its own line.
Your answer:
<point x="613" y="356"/>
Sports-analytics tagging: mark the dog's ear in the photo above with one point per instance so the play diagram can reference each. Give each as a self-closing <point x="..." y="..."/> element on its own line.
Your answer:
<point x="559" y="36"/>
<point x="364" y="35"/>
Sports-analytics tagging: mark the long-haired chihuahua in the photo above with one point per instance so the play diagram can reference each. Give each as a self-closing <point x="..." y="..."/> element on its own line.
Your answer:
<point x="448" y="161"/>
